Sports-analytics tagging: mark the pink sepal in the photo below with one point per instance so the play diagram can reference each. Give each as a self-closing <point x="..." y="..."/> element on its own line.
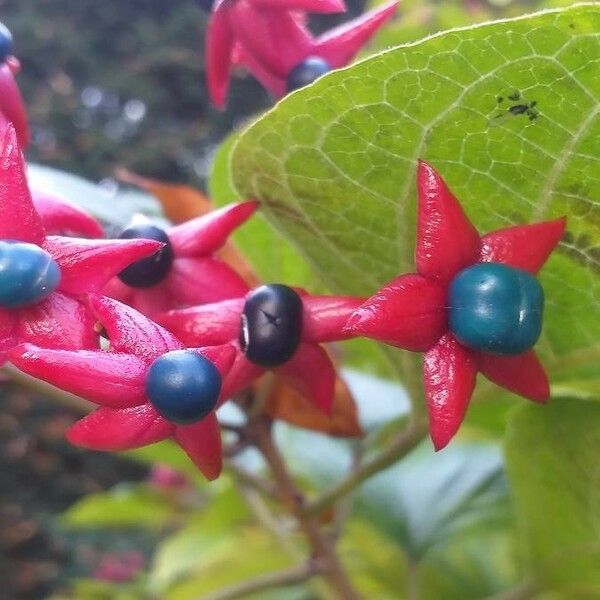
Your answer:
<point x="446" y="240"/>
<point x="106" y="378"/>
<point x="222" y="357"/>
<point x="324" y="317"/>
<point x="207" y="233"/>
<point x="525" y="247"/>
<point x="312" y="6"/>
<point x="341" y="44"/>
<point x="240" y="376"/>
<point x="203" y="280"/>
<point x="20" y="220"/>
<point x="219" y="50"/>
<point x="275" y="84"/>
<point x="409" y="312"/>
<point x="61" y="218"/>
<point x="58" y="322"/>
<point x="11" y="102"/>
<point x="312" y="373"/>
<point x="208" y="325"/>
<point x="449" y="373"/>
<point x="120" y="429"/>
<point x="87" y="265"/>
<point x="523" y="374"/>
<point x="255" y="31"/>
<point x="202" y="443"/>
<point x="131" y="332"/>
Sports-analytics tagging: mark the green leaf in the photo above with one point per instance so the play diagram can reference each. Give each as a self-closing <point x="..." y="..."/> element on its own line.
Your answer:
<point x="553" y="458"/>
<point x="270" y="254"/>
<point x="334" y="163"/>
<point x="464" y="487"/>
<point x="123" y="506"/>
<point x="207" y="534"/>
<point x="251" y="552"/>
<point x="470" y="567"/>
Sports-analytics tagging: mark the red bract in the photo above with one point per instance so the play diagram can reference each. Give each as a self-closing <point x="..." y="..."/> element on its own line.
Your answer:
<point x="116" y="381"/>
<point x="61" y="218"/>
<point x="310" y="371"/>
<point x="411" y="311"/>
<point x="270" y="38"/>
<point x="11" y="101"/>
<point x="196" y="276"/>
<point x="61" y="320"/>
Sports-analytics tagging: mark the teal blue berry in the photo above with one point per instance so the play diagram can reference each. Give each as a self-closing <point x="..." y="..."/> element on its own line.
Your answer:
<point x="183" y="386"/>
<point x="28" y="274"/>
<point x="495" y="308"/>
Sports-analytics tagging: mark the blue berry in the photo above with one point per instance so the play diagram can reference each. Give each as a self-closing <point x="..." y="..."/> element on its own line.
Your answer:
<point x="28" y="274"/>
<point x="183" y="386"/>
<point x="6" y="42"/>
<point x="496" y="309"/>
<point x="306" y="72"/>
<point x="147" y="272"/>
<point x="271" y="325"/>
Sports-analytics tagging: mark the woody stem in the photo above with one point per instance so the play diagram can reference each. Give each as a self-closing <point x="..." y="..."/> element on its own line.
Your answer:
<point x="322" y="545"/>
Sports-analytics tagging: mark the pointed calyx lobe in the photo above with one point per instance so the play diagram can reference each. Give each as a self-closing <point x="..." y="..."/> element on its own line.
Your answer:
<point x="446" y="240"/>
<point x="20" y="221"/>
<point x="473" y="305"/>
<point x="143" y="359"/>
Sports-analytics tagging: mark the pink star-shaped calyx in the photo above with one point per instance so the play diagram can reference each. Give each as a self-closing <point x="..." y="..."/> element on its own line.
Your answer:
<point x="310" y="370"/>
<point x="61" y="319"/>
<point x="117" y="381"/>
<point x="412" y="311"/>
<point x="195" y="275"/>
<point x="270" y="38"/>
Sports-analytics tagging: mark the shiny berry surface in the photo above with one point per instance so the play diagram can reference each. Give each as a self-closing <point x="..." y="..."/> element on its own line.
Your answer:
<point x="28" y="274"/>
<point x="271" y="325"/>
<point x="149" y="271"/>
<point x="183" y="386"/>
<point x="496" y="309"/>
<point x="306" y="72"/>
<point x="6" y="43"/>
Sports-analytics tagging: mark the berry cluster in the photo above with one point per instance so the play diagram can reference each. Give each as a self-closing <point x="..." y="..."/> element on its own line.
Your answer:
<point x="185" y="333"/>
<point x="271" y="40"/>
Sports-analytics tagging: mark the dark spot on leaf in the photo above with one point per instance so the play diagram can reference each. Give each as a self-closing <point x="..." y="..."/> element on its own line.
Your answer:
<point x="500" y="99"/>
<point x="577" y="249"/>
<point x="518" y="109"/>
<point x="515" y="96"/>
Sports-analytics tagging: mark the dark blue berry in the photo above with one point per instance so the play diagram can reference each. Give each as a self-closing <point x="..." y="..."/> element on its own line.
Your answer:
<point x="306" y="72"/>
<point x="271" y="325"/>
<point x="6" y="42"/>
<point x="495" y="308"/>
<point x="28" y="274"/>
<point x="183" y="386"/>
<point x="149" y="271"/>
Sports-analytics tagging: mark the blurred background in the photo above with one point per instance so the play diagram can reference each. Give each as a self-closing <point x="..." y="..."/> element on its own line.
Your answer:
<point x="120" y="83"/>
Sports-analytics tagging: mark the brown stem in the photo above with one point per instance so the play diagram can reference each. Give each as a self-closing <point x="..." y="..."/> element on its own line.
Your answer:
<point x="251" y="480"/>
<point x="401" y="445"/>
<point x="322" y="547"/>
<point x="269" y="581"/>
